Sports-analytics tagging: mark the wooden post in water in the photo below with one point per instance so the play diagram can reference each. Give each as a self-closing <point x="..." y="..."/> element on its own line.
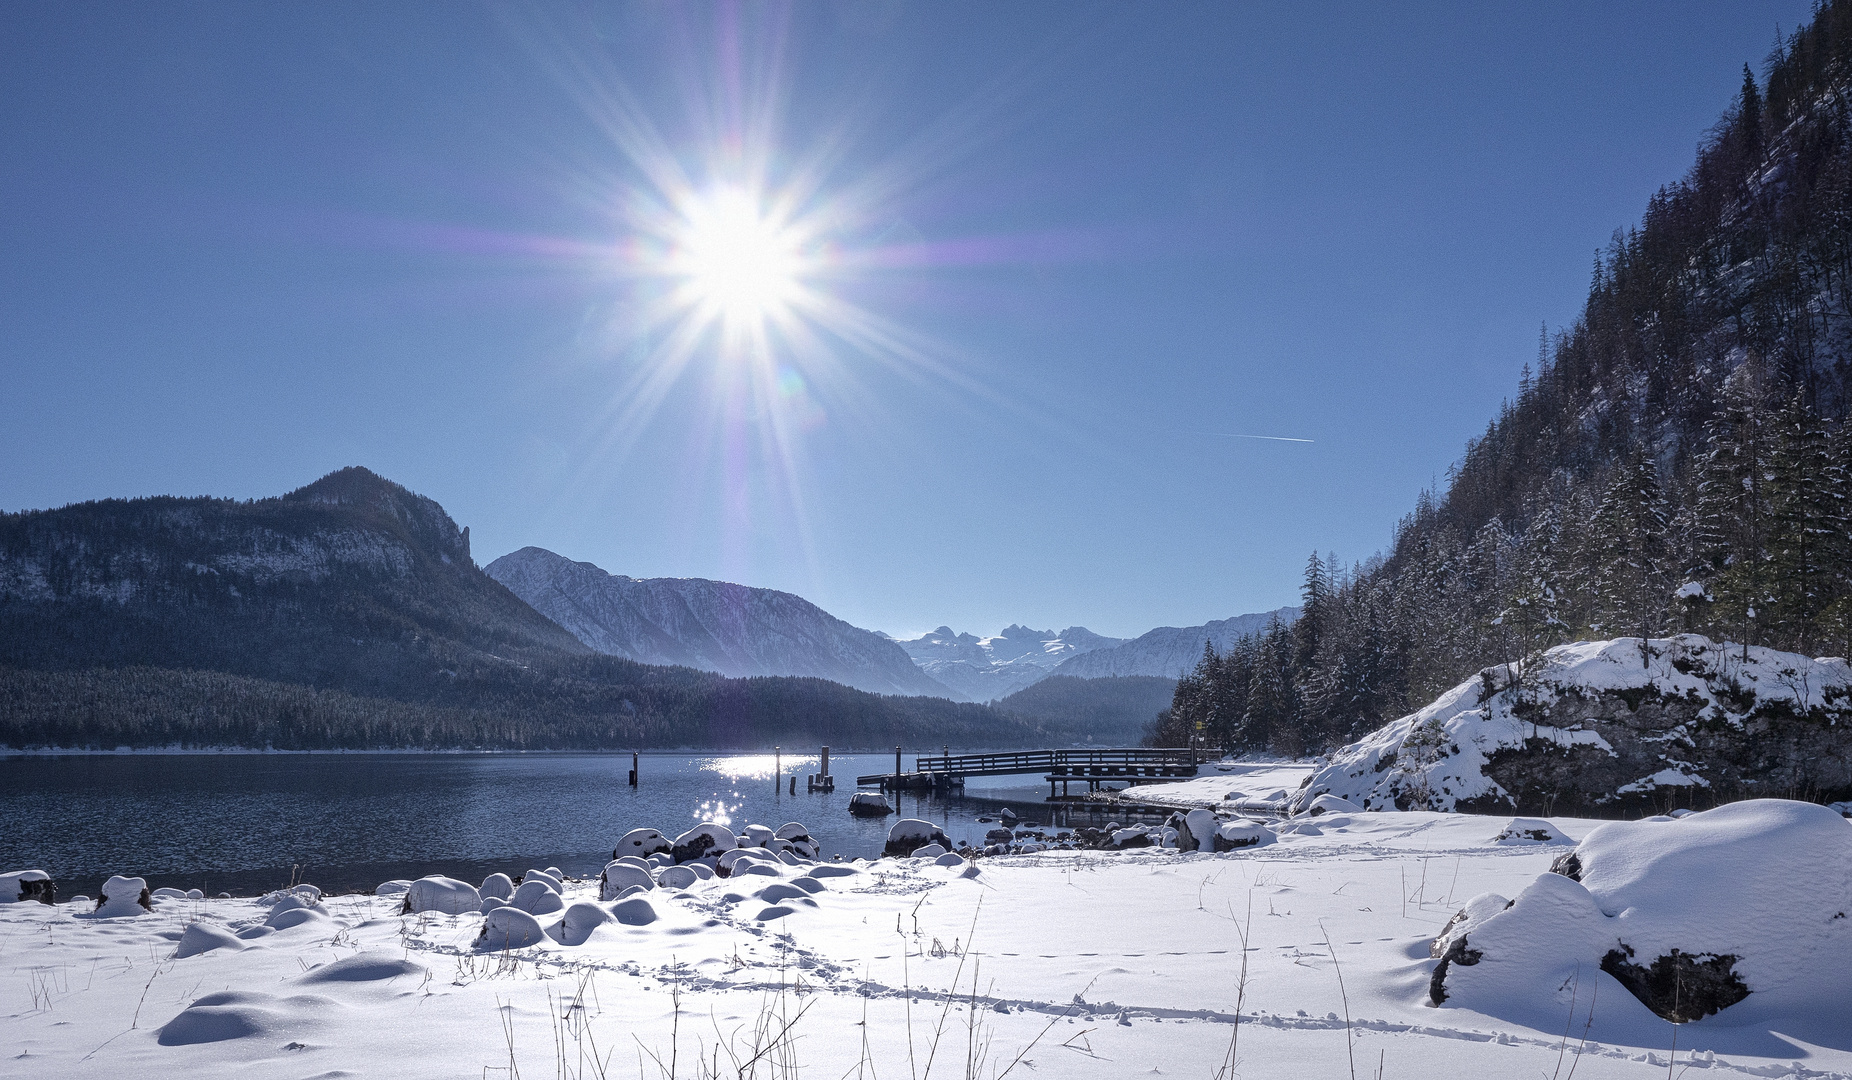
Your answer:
<point x="896" y="768"/>
<point x="794" y="783"/>
<point x="777" y="771"/>
<point x="826" y="761"/>
<point x="633" y="768"/>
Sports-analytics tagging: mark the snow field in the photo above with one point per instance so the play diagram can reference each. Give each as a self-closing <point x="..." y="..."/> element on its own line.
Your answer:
<point x="1086" y="964"/>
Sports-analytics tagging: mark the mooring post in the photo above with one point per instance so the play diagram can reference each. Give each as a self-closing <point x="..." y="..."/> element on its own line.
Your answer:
<point x="778" y="771"/>
<point x="896" y="768"/>
<point x="633" y="768"/>
<point x="794" y="783"/>
<point x="826" y="761"/>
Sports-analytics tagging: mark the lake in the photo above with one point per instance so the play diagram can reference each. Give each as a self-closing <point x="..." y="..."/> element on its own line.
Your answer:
<point x="245" y="823"/>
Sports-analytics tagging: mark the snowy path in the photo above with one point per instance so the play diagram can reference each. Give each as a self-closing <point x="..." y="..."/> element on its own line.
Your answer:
<point x="1070" y="964"/>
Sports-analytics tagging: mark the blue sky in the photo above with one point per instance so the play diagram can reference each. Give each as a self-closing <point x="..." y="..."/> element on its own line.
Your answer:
<point x="1053" y="257"/>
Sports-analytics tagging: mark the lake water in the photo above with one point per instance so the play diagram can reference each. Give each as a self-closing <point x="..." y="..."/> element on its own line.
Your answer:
<point x="244" y="823"/>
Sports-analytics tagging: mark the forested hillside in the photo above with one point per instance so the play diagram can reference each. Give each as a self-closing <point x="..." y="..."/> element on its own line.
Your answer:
<point x="349" y="613"/>
<point x="1678" y="459"/>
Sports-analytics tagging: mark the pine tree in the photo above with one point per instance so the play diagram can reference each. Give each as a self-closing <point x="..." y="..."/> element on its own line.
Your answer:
<point x="1731" y="538"/>
<point x="1630" y="530"/>
<point x="1806" y="526"/>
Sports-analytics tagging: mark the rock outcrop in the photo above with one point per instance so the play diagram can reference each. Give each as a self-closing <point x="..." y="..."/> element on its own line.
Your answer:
<point x="1604" y="728"/>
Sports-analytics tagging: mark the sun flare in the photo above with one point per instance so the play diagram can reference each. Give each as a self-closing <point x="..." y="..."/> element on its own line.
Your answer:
<point x="738" y="264"/>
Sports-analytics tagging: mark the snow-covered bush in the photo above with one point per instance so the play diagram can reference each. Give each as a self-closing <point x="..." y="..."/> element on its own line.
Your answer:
<point x="123" y="896"/>
<point x="1749" y="900"/>
<point x="446" y="896"/>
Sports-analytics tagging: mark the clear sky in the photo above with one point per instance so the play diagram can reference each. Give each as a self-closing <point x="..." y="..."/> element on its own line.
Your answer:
<point x="930" y="313"/>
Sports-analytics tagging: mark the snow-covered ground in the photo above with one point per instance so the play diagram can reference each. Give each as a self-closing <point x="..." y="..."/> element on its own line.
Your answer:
<point x="1238" y="783"/>
<point x="1068" y="964"/>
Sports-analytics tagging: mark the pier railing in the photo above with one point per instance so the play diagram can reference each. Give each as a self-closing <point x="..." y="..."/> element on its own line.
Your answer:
<point x="1132" y="761"/>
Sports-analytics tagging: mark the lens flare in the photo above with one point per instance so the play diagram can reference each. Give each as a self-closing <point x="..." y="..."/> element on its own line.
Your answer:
<point x="738" y="265"/>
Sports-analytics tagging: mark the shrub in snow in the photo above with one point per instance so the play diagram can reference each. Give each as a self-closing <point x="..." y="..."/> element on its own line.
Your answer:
<point x="123" y="896"/>
<point x="1749" y="900"/>
<point x="618" y="876"/>
<point x="910" y="834"/>
<point x="22" y="885"/>
<point x="1593" y="727"/>
<point x="446" y="896"/>
<point x="676" y="877"/>
<point x="537" y="896"/>
<point x="509" y="928"/>
<point x="500" y="886"/>
<point x="395" y="887"/>
<point x="704" y="839"/>
<point x="578" y="923"/>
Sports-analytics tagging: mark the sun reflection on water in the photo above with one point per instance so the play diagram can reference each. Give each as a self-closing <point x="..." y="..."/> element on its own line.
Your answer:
<point x="759" y="766"/>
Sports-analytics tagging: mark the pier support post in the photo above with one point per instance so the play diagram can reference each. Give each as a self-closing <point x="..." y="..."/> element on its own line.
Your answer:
<point x="633" y="768"/>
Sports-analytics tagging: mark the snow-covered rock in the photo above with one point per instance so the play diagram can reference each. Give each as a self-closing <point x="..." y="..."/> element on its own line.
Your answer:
<point x="677" y="877"/>
<point x="578" y="922"/>
<point x="642" y="843"/>
<point x="869" y="804"/>
<point x="1242" y="833"/>
<point x="395" y="887"/>
<point x="1594" y="727"/>
<point x="500" y="886"/>
<point x="445" y="896"/>
<point x="1747" y="901"/>
<point x="1196" y="831"/>
<point x="18" y="886"/>
<point x="704" y="839"/>
<point x="123" y="896"/>
<point x="537" y="896"/>
<point x="509" y="928"/>
<point x="908" y="835"/>
<point x="618" y="876"/>
<point x="1524" y="830"/>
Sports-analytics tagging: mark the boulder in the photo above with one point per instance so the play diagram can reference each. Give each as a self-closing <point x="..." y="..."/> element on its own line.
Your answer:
<point x="22" y="885"/>
<point x="677" y="877"/>
<point x="704" y="839"/>
<point x="910" y="834"/>
<point x="1129" y="838"/>
<point x="1241" y="833"/>
<point x="869" y="804"/>
<point x="500" y="886"/>
<point x="553" y="878"/>
<point x="445" y="896"/>
<point x="1195" y="830"/>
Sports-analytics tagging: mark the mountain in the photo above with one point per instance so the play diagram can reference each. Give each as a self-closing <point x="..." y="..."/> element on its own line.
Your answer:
<point x="1169" y="651"/>
<point x="710" y="625"/>
<point x="985" y="669"/>
<point x="1106" y="712"/>
<point x="349" y="613"/>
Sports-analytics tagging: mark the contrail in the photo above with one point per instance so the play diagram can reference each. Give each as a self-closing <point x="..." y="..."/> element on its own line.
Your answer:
<point x="1269" y="438"/>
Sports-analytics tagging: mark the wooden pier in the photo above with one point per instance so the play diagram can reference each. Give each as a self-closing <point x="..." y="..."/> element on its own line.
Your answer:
<point x="1093" y="767"/>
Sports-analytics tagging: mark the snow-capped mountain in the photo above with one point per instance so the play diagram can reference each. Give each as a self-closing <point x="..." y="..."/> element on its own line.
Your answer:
<point x="711" y="625"/>
<point x="1171" y="651"/>
<point x="985" y="669"/>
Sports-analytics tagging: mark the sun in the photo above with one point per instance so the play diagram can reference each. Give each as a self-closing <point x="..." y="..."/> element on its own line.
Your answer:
<point x="738" y="264"/>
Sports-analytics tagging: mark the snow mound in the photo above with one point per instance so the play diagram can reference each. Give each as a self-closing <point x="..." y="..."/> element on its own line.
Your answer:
<point x="1752" y="900"/>
<point x="1525" y="830"/>
<point x="366" y="967"/>
<point x="677" y="877"/>
<point x="395" y="887"/>
<point x="446" y="896"/>
<point x="499" y="886"/>
<point x="1604" y="726"/>
<point x="577" y="924"/>
<point x="241" y="1014"/>
<point x="203" y="937"/>
<point x="635" y="911"/>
